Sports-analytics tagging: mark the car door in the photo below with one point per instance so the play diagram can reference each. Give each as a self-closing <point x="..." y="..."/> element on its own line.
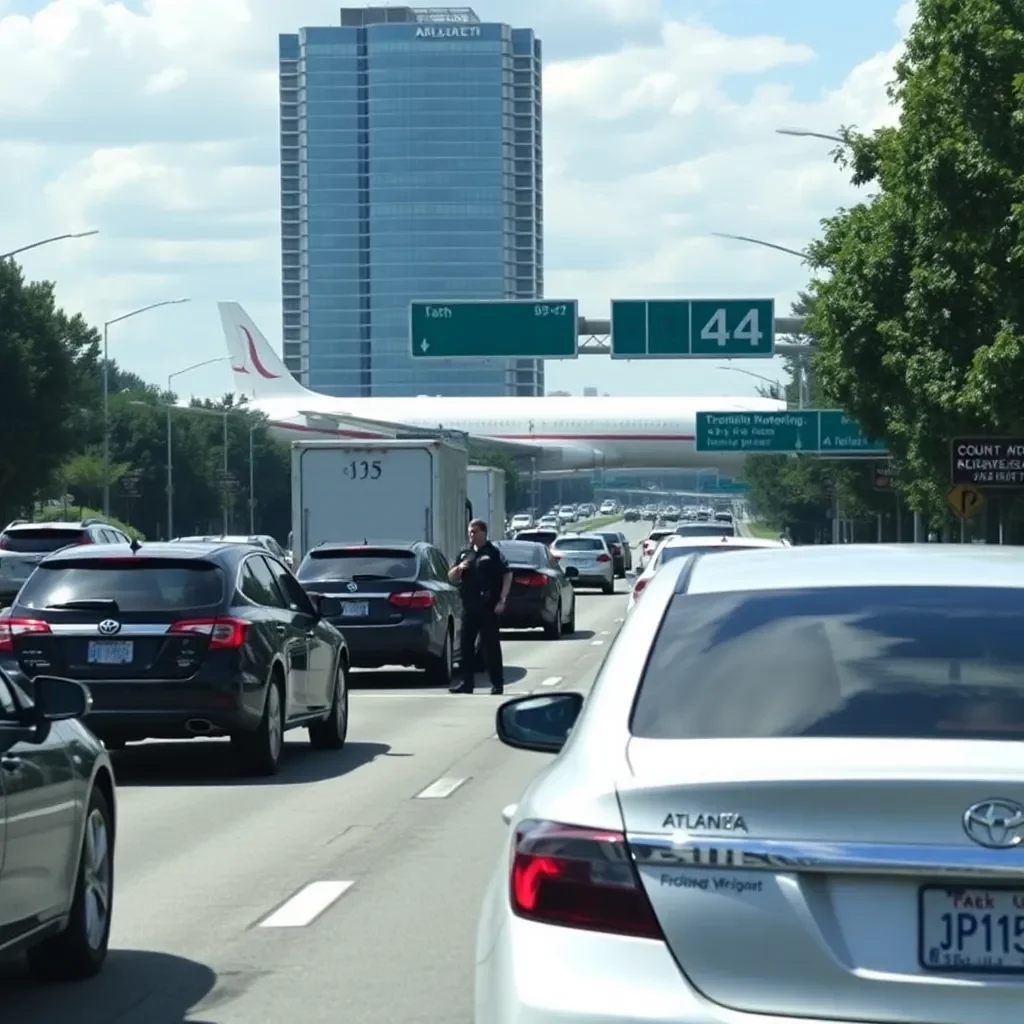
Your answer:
<point x="40" y="822"/>
<point x="258" y="584"/>
<point x="567" y="593"/>
<point x="320" y="651"/>
<point x="437" y="565"/>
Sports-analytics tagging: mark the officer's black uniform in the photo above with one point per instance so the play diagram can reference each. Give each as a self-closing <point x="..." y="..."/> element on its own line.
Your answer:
<point x="481" y="590"/>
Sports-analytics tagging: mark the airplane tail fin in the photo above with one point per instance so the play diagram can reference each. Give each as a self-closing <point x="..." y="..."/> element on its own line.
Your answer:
<point x="258" y="371"/>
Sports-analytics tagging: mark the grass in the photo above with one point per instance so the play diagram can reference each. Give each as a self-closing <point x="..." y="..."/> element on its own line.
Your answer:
<point x="597" y="523"/>
<point x="762" y="530"/>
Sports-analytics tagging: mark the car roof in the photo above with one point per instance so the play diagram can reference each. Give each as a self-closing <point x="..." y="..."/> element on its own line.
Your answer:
<point x="860" y="565"/>
<point x="53" y="525"/>
<point x="592" y="535"/>
<point x="158" y="549"/>
<point x="710" y="541"/>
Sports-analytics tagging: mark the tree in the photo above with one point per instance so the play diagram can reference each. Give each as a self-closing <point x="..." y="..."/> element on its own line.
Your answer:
<point x="86" y="474"/>
<point x="918" y="306"/>
<point x="46" y="359"/>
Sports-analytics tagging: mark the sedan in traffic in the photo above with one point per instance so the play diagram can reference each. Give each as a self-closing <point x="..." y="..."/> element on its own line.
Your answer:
<point x="182" y="640"/>
<point x="586" y="560"/>
<point x="793" y="794"/>
<point x="397" y="605"/>
<point x="541" y="594"/>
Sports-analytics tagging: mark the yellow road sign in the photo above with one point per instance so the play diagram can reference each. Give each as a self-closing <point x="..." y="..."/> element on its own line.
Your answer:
<point x="965" y="501"/>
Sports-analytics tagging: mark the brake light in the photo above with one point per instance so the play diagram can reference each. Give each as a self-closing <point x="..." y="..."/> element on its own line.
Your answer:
<point x="603" y="557"/>
<point x="578" y="878"/>
<point x="4" y="546"/>
<point x="11" y="627"/>
<point x="556" y="554"/>
<point x="84" y="539"/>
<point x="412" y="599"/>
<point x="533" y="579"/>
<point x="224" y="634"/>
<point x="642" y="582"/>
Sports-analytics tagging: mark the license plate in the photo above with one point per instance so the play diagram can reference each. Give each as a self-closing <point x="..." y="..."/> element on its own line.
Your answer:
<point x="118" y="652"/>
<point x="355" y="609"/>
<point x="975" y="931"/>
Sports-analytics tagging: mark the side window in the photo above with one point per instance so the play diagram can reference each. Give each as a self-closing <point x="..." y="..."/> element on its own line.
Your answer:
<point x="8" y="709"/>
<point x="438" y="565"/>
<point x="263" y="588"/>
<point x="294" y="596"/>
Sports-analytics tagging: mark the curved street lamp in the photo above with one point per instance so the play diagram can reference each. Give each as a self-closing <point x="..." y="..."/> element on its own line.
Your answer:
<point x="47" y="241"/>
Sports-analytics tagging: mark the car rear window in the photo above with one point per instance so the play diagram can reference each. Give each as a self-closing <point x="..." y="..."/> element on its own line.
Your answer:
<point x="545" y="537"/>
<point x="43" y="539"/>
<point x="358" y="563"/>
<point x="612" y="538"/>
<point x="580" y="544"/>
<point x="137" y="584"/>
<point x="522" y="553"/>
<point x="658" y="534"/>
<point x="706" y="530"/>
<point x="869" y="662"/>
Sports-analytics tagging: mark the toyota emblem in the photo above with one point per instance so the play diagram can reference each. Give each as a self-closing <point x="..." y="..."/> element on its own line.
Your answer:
<point x="353" y="587"/>
<point x="997" y="824"/>
<point x="108" y="627"/>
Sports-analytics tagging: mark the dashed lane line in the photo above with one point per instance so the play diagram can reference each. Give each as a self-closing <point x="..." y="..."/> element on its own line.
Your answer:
<point x="306" y="905"/>
<point x="441" y="788"/>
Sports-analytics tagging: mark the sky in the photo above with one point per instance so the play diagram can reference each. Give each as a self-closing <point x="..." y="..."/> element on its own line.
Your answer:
<point x="154" y="122"/>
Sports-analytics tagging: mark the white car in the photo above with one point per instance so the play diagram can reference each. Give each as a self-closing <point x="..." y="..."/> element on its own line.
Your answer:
<point x="608" y="508"/>
<point x="674" y="546"/>
<point x="586" y="560"/>
<point x="653" y="539"/>
<point x="521" y="521"/>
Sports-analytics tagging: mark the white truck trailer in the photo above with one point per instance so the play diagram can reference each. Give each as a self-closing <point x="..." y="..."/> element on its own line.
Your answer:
<point x="485" y="488"/>
<point x="372" y="491"/>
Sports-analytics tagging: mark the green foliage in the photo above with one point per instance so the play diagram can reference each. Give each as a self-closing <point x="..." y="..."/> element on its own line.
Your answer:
<point x="918" y="310"/>
<point x="74" y="513"/>
<point x="46" y="362"/>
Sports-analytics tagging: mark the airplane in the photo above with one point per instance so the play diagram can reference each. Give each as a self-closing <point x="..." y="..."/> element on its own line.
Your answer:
<point x="551" y="436"/>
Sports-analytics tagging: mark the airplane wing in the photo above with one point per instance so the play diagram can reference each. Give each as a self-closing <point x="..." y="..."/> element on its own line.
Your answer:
<point x="343" y="421"/>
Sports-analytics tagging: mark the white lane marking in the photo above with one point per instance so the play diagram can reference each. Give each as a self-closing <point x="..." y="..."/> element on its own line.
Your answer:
<point x="551" y="681"/>
<point x="441" y="788"/>
<point x="596" y="643"/>
<point x="620" y="620"/>
<point x="606" y="632"/>
<point x="306" y="905"/>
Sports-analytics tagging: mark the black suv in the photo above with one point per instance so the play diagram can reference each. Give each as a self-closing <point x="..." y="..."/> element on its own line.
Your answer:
<point x="23" y="545"/>
<point x="178" y="640"/>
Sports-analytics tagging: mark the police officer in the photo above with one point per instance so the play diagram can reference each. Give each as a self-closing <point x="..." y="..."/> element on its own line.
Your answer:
<point x="484" y="579"/>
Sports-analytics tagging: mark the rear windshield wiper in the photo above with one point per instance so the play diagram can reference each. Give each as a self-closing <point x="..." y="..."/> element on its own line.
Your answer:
<point x="99" y="604"/>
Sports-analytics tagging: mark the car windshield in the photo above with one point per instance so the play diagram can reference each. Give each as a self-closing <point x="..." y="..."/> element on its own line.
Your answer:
<point x="41" y="540"/>
<point x="705" y="530"/>
<point x="579" y="544"/>
<point x="883" y="662"/>
<point x="136" y="584"/>
<point x="519" y="552"/>
<point x="357" y="563"/>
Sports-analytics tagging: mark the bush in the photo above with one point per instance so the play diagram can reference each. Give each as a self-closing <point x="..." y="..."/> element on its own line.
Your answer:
<point x="56" y="514"/>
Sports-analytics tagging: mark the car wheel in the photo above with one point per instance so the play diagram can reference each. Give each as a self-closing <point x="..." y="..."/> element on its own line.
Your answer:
<point x="570" y="626"/>
<point x="608" y="588"/>
<point x="259" y="752"/>
<point x="441" y="670"/>
<point x="79" y="951"/>
<point x="330" y="734"/>
<point x="553" y="630"/>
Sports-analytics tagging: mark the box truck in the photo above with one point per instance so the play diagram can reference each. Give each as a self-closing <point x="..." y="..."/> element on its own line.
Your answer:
<point x="485" y="488"/>
<point x="353" y="492"/>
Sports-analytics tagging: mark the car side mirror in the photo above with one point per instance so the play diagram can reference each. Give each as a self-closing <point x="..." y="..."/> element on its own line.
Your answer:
<point x="541" y="724"/>
<point x="327" y="607"/>
<point x="56" y="699"/>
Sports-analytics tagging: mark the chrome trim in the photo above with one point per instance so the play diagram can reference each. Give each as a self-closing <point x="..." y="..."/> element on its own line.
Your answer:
<point x="797" y="856"/>
<point x="93" y="629"/>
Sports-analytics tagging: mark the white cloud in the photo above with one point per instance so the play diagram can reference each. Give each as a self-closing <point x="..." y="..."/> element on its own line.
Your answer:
<point x="159" y="127"/>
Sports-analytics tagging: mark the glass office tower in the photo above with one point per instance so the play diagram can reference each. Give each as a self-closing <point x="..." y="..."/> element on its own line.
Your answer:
<point x="410" y="169"/>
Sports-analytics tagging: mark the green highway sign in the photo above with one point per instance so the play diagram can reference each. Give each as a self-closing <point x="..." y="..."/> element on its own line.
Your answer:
<point x="693" y="328"/>
<point x="806" y="431"/>
<point x="510" y="329"/>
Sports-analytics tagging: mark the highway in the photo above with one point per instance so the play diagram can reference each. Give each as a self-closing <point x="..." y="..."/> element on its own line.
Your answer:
<point x="345" y="888"/>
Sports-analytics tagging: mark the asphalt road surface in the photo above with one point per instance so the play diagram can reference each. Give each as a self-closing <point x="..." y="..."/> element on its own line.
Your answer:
<point x="344" y="889"/>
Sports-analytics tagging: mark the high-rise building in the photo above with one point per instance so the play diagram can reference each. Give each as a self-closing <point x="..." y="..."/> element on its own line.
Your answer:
<point x="411" y="168"/>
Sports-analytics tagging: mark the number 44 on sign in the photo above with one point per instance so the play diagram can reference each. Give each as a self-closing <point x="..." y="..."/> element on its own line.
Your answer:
<point x="965" y="501"/>
<point x="716" y="330"/>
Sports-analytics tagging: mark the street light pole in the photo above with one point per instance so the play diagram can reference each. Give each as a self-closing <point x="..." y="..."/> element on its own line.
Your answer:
<point x="776" y="386"/>
<point x="252" y="479"/>
<point x="224" y="478"/>
<point x="106" y="390"/>
<point x="170" y="437"/>
<point x="806" y="133"/>
<point x="47" y="241"/>
<point x="761" y="241"/>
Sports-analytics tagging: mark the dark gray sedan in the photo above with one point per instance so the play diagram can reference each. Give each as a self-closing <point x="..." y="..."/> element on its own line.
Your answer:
<point x="57" y="807"/>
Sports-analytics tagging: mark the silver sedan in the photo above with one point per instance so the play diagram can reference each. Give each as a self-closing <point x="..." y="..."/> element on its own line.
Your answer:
<point x="795" y="794"/>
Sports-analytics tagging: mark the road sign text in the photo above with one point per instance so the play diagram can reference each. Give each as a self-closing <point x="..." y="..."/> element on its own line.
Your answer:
<point x="807" y="431"/>
<point x="987" y="461"/>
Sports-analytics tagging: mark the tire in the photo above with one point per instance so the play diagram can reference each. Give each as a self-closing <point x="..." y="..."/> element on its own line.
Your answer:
<point x="441" y="670"/>
<point x="331" y="732"/>
<point x="553" y="631"/>
<point x="259" y="752"/>
<point x="80" y="950"/>
<point x="608" y="588"/>
<point x="570" y="627"/>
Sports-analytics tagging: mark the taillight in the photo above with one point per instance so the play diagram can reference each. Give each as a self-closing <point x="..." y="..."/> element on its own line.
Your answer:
<point x="532" y="580"/>
<point x="412" y="599"/>
<point x="4" y="546"/>
<point x="604" y="558"/>
<point x="84" y="539"/>
<point x="224" y="634"/>
<point x="578" y="878"/>
<point x="640" y="584"/>
<point x="11" y="627"/>
<point x="556" y="554"/>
